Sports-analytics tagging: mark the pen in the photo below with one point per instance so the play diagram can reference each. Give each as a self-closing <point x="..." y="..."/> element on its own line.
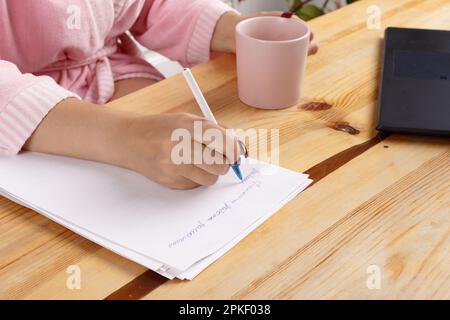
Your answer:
<point x="207" y="113"/>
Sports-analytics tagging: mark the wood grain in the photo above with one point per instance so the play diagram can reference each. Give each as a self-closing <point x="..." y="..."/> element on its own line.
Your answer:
<point x="320" y="244"/>
<point x="413" y="260"/>
<point x="148" y="281"/>
<point x="138" y="287"/>
<point x="355" y="217"/>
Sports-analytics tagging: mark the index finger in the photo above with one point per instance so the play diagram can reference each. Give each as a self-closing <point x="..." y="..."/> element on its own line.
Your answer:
<point x="214" y="136"/>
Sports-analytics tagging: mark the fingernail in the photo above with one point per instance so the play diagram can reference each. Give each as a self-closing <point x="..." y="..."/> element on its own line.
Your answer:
<point x="244" y="150"/>
<point x="287" y="14"/>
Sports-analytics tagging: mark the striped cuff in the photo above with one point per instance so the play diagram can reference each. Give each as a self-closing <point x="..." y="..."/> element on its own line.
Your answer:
<point x="199" y="49"/>
<point x="23" y="114"/>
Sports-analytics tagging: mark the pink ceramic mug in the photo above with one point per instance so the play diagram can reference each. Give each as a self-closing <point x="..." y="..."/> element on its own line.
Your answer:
<point x="271" y="58"/>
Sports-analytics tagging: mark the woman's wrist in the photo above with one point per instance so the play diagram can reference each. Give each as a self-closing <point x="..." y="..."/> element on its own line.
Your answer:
<point x="82" y="130"/>
<point x="223" y="39"/>
<point x="113" y="136"/>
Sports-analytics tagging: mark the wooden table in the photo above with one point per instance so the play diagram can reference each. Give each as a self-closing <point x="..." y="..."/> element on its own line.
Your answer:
<point x="377" y="199"/>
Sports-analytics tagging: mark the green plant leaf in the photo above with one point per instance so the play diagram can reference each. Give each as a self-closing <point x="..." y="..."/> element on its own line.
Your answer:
<point x="309" y="12"/>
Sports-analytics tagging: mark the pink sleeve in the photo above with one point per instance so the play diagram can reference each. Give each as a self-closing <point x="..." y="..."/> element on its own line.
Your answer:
<point x="179" y="30"/>
<point x="24" y="101"/>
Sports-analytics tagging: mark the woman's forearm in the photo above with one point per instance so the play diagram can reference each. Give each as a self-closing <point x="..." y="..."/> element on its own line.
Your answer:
<point x="141" y="143"/>
<point x="82" y="130"/>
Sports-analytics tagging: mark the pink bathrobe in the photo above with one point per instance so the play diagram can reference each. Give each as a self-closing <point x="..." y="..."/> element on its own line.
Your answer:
<point x="54" y="49"/>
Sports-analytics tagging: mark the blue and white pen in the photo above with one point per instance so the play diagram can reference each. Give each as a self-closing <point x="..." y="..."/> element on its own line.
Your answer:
<point x="207" y="113"/>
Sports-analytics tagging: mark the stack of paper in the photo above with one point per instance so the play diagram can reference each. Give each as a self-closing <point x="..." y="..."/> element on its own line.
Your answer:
<point x="175" y="233"/>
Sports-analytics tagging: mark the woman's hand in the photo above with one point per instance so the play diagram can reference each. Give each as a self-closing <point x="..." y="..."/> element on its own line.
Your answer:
<point x="224" y="38"/>
<point x="140" y="143"/>
<point x="150" y="150"/>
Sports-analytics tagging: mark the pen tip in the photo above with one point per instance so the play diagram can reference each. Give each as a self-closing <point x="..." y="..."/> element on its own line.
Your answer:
<point x="238" y="172"/>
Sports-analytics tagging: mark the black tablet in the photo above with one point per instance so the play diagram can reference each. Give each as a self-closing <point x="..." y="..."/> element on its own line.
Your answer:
<point x="415" y="83"/>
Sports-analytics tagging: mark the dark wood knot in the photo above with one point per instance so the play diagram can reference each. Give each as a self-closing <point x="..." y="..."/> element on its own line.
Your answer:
<point x="346" y="127"/>
<point x="316" y="106"/>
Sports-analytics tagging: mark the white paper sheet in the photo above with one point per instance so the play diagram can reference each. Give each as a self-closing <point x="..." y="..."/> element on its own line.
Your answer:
<point x="201" y="265"/>
<point x="176" y="233"/>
